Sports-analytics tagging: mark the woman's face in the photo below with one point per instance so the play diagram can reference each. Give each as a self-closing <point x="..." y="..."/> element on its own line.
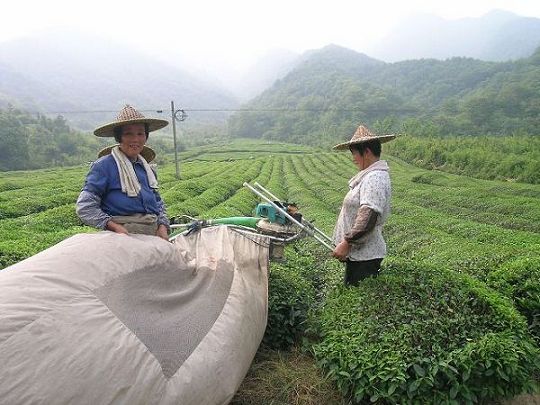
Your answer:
<point x="358" y="159"/>
<point x="132" y="140"/>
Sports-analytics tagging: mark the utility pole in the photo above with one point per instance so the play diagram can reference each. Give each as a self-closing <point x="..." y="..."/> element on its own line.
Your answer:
<point x="176" y="115"/>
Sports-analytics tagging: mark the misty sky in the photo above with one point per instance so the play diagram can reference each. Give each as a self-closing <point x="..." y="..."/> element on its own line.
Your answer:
<point x="234" y="33"/>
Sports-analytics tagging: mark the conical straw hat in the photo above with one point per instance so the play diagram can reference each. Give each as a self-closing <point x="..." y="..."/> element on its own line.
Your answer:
<point x="147" y="153"/>
<point x="129" y="115"/>
<point x="363" y="134"/>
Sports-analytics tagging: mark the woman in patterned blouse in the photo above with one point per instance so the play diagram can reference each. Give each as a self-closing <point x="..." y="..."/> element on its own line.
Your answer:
<point x="358" y="232"/>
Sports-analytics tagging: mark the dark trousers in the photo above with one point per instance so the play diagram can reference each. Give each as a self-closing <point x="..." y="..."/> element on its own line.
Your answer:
<point x="357" y="271"/>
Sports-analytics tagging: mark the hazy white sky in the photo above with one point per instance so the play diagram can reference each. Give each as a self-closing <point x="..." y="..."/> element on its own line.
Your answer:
<point x="235" y="32"/>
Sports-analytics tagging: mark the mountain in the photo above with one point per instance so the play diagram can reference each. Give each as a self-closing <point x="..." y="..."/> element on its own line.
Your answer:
<point x="334" y="89"/>
<point x="274" y="65"/>
<point x="70" y="71"/>
<point x="496" y="36"/>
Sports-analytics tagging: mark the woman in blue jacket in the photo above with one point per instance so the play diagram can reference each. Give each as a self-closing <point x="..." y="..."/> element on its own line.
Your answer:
<point x="120" y="193"/>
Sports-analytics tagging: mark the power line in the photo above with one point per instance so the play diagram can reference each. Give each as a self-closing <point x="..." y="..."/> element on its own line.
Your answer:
<point x="299" y="109"/>
<point x="160" y="111"/>
<point x="86" y="111"/>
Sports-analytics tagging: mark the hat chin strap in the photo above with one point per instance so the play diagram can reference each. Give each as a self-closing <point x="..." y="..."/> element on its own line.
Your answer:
<point x="368" y="159"/>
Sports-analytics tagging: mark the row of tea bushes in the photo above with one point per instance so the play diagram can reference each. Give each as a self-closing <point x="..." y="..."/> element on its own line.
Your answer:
<point x="432" y="225"/>
<point x="421" y="334"/>
<point x="424" y="335"/>
<point x="219" y="189"/>
<point x="519" y="281"/>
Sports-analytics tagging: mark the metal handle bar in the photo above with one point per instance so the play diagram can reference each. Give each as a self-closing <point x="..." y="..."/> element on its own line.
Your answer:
<point x="309" y="224"/>
<point x="294" y="221"/>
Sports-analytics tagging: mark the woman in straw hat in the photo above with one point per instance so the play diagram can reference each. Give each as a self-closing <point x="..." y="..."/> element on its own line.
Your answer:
<point x="358" y="232"/>
<point x="120" y="193"/>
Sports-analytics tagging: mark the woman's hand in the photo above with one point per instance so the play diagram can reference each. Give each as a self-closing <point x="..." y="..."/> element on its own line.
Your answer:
<point x="341" y="251"/>
<point x="113" y="226"/>
<point x="162" y="232"/>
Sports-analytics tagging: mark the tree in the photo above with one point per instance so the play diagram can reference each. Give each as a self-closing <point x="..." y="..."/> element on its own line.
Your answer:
<point x="14" y="145"/>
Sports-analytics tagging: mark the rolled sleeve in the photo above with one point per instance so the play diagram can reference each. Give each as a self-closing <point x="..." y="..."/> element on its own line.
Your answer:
<point x="88" y="208"/>
<point x="366" y="218"/>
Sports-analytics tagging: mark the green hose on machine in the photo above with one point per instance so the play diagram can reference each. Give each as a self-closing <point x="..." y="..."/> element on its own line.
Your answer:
<point x="276" y="219"/>
<point x="250" y="222"/>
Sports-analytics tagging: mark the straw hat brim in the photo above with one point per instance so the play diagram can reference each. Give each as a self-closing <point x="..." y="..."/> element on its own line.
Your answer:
<point x="346" y="145"/>
<point x="107" y="130"/>
<point x="147" y="153"/>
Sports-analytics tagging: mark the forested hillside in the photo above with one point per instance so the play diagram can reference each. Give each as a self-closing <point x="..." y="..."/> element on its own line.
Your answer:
<point x="35" y="141"/>
<point x="510" y="158"/>
<point x="335" y="89"/>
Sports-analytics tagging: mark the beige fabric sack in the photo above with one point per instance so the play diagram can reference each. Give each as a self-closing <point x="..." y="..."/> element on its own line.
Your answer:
<point x="132" y="319"/>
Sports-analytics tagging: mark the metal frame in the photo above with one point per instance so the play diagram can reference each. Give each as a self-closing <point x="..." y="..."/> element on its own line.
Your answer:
<point x="304" y="221"/>
<point x="244" y="230"/>
<point x="308" y="230"/>
<point x="305" y="228"/>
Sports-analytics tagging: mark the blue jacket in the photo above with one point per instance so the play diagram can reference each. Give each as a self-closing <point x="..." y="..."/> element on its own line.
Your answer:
<point x="102" y="196"/>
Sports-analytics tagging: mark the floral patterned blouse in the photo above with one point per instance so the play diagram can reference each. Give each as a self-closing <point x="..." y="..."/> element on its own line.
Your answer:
<point x="369" y="187"/>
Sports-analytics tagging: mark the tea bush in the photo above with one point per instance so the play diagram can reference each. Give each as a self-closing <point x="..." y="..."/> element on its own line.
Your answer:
<point x="424" y="335"/>
<point x="290" y="297"/>
<point x="520" y="281"/>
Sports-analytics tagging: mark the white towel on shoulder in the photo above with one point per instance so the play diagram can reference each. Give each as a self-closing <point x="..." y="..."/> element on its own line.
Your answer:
<point x="128" y="179"/>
